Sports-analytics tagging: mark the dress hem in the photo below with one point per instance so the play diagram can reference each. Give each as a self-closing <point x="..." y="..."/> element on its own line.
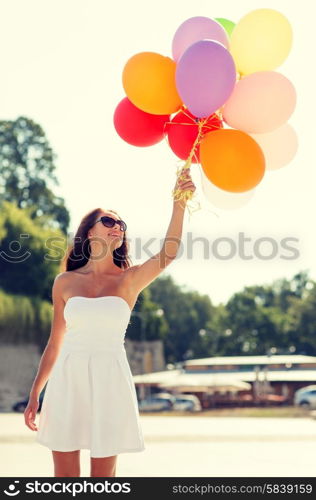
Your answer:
<point x="87" y="447"/>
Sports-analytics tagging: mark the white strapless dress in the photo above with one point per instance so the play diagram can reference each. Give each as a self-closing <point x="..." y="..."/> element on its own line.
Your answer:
<point x="90" y="400"/>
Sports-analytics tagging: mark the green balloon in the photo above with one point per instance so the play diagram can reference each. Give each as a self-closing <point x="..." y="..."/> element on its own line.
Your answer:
<point x="227" y="24"/>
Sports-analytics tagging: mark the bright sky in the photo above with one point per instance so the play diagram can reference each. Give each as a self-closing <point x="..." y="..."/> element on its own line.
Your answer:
<point x="61" y="66"/>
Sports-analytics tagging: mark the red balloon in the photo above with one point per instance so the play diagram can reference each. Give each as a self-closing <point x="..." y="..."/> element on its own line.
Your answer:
<point x="183" y="131"/>
<point x="138" y="127"/>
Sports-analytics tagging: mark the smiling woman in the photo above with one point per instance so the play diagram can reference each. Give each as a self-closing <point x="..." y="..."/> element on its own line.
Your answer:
<point x="90" y="400"/>
<point x="79" y="254"/>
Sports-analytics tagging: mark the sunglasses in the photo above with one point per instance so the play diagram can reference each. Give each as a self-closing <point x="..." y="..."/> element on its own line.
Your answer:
<point x="110" y="222"/>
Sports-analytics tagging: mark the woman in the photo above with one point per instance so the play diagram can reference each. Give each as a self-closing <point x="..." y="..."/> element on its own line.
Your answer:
<point x="90" y="399"/>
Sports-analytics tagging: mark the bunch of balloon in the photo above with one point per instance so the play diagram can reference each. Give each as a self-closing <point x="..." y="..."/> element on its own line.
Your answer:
<point x="258" y="108"/>
<point x="212" y="100"/>
<point x="263" y="99"/>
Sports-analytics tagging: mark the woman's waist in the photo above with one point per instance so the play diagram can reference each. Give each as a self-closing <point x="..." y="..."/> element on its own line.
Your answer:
<point x="92" y="345"/>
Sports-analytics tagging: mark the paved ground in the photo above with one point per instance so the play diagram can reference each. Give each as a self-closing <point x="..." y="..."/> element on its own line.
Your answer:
<point x="183" y="446"/>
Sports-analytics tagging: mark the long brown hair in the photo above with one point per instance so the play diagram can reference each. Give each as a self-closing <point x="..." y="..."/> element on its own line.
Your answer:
<point x="78" y="253"/>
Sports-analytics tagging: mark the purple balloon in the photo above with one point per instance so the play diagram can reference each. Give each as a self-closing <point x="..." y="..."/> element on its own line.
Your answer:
<point x="195" y="29"/>
<point x="205" y="77"/>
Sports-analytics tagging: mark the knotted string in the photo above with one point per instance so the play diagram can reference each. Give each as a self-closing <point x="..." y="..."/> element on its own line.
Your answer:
<point x="187" y="195"/>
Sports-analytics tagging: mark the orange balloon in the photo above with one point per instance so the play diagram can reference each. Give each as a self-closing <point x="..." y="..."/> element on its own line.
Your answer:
<point x="149" y="82"/>
<point x="232" y="160"/>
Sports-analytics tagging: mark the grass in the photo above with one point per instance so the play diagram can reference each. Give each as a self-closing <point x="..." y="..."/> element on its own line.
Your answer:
<point x="266" y="412"/>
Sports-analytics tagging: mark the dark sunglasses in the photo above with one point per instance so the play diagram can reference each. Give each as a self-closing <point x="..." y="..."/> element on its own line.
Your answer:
<point x="110" y="222"/>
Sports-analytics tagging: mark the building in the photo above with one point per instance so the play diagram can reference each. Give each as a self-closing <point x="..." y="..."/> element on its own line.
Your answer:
<point x="270" y="378"/>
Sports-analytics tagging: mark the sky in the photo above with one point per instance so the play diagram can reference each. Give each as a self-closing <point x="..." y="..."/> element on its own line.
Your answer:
<point x="62" y="64"/>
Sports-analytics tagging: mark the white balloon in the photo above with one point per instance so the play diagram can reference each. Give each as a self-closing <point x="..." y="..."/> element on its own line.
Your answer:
<point x="279" y="146"/>
<point x="224" y="199"/>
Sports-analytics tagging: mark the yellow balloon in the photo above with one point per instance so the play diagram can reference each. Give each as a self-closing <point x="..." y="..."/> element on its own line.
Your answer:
<point x="261" y="41"/>
<point x="149" y="83"/>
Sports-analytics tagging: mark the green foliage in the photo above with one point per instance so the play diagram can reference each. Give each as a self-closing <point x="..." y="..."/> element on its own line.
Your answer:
<point x="269" y="316"/>
<point x="186" y="312"/>
<point x="253" y="330"/>
<point x="24" y="319"/>
<point x="28" y="262"/>
<point x="145" y="323"/>
<point x="27" y="172"/>
<point x="260" y="317"/>
<point x="301" y="330"/>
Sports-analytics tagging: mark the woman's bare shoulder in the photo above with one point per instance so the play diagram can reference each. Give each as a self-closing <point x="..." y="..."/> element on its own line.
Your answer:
<point x="63" y="279"/>
<point x="64" y="282"/>
<point x="64" y="276"/>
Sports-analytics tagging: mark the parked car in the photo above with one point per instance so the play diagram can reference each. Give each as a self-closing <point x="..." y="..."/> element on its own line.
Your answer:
<point x="20" y="406"/>
<point x="187" y="402"/>
<point x="155" y="403"/>
<point x="306" y="397"/>
<point x="183" y="402"/>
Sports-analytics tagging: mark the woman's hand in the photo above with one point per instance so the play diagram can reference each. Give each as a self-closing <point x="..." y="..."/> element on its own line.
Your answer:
<point x="184" y="183"/>
<point x="30" y="413"/>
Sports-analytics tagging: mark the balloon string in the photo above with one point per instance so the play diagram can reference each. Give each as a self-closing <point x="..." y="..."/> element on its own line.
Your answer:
<point x="187" y="195"/>
<point x="178" y="194"/>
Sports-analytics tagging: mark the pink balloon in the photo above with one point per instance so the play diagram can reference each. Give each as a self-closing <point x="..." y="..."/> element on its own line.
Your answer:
<point x="261" y="102"/>
<point x="279" y="146"/>
<point x="205" y="77"/>
<point x="195" y="29"/>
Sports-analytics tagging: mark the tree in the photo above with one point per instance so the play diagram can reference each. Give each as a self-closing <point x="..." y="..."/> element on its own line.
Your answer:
<point x="186" y="312"/>
<point x="301" y="327"/>
<point x="145" y="324"/>
<point x="30" y="254"/>
<point x="214" y="338"/>
<point x="255" y="319"/>
<point x="27" y="172"/>
<point x="265" y="316"/>
<point x="285" y="290"/>
<point x="253" y="330"/>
